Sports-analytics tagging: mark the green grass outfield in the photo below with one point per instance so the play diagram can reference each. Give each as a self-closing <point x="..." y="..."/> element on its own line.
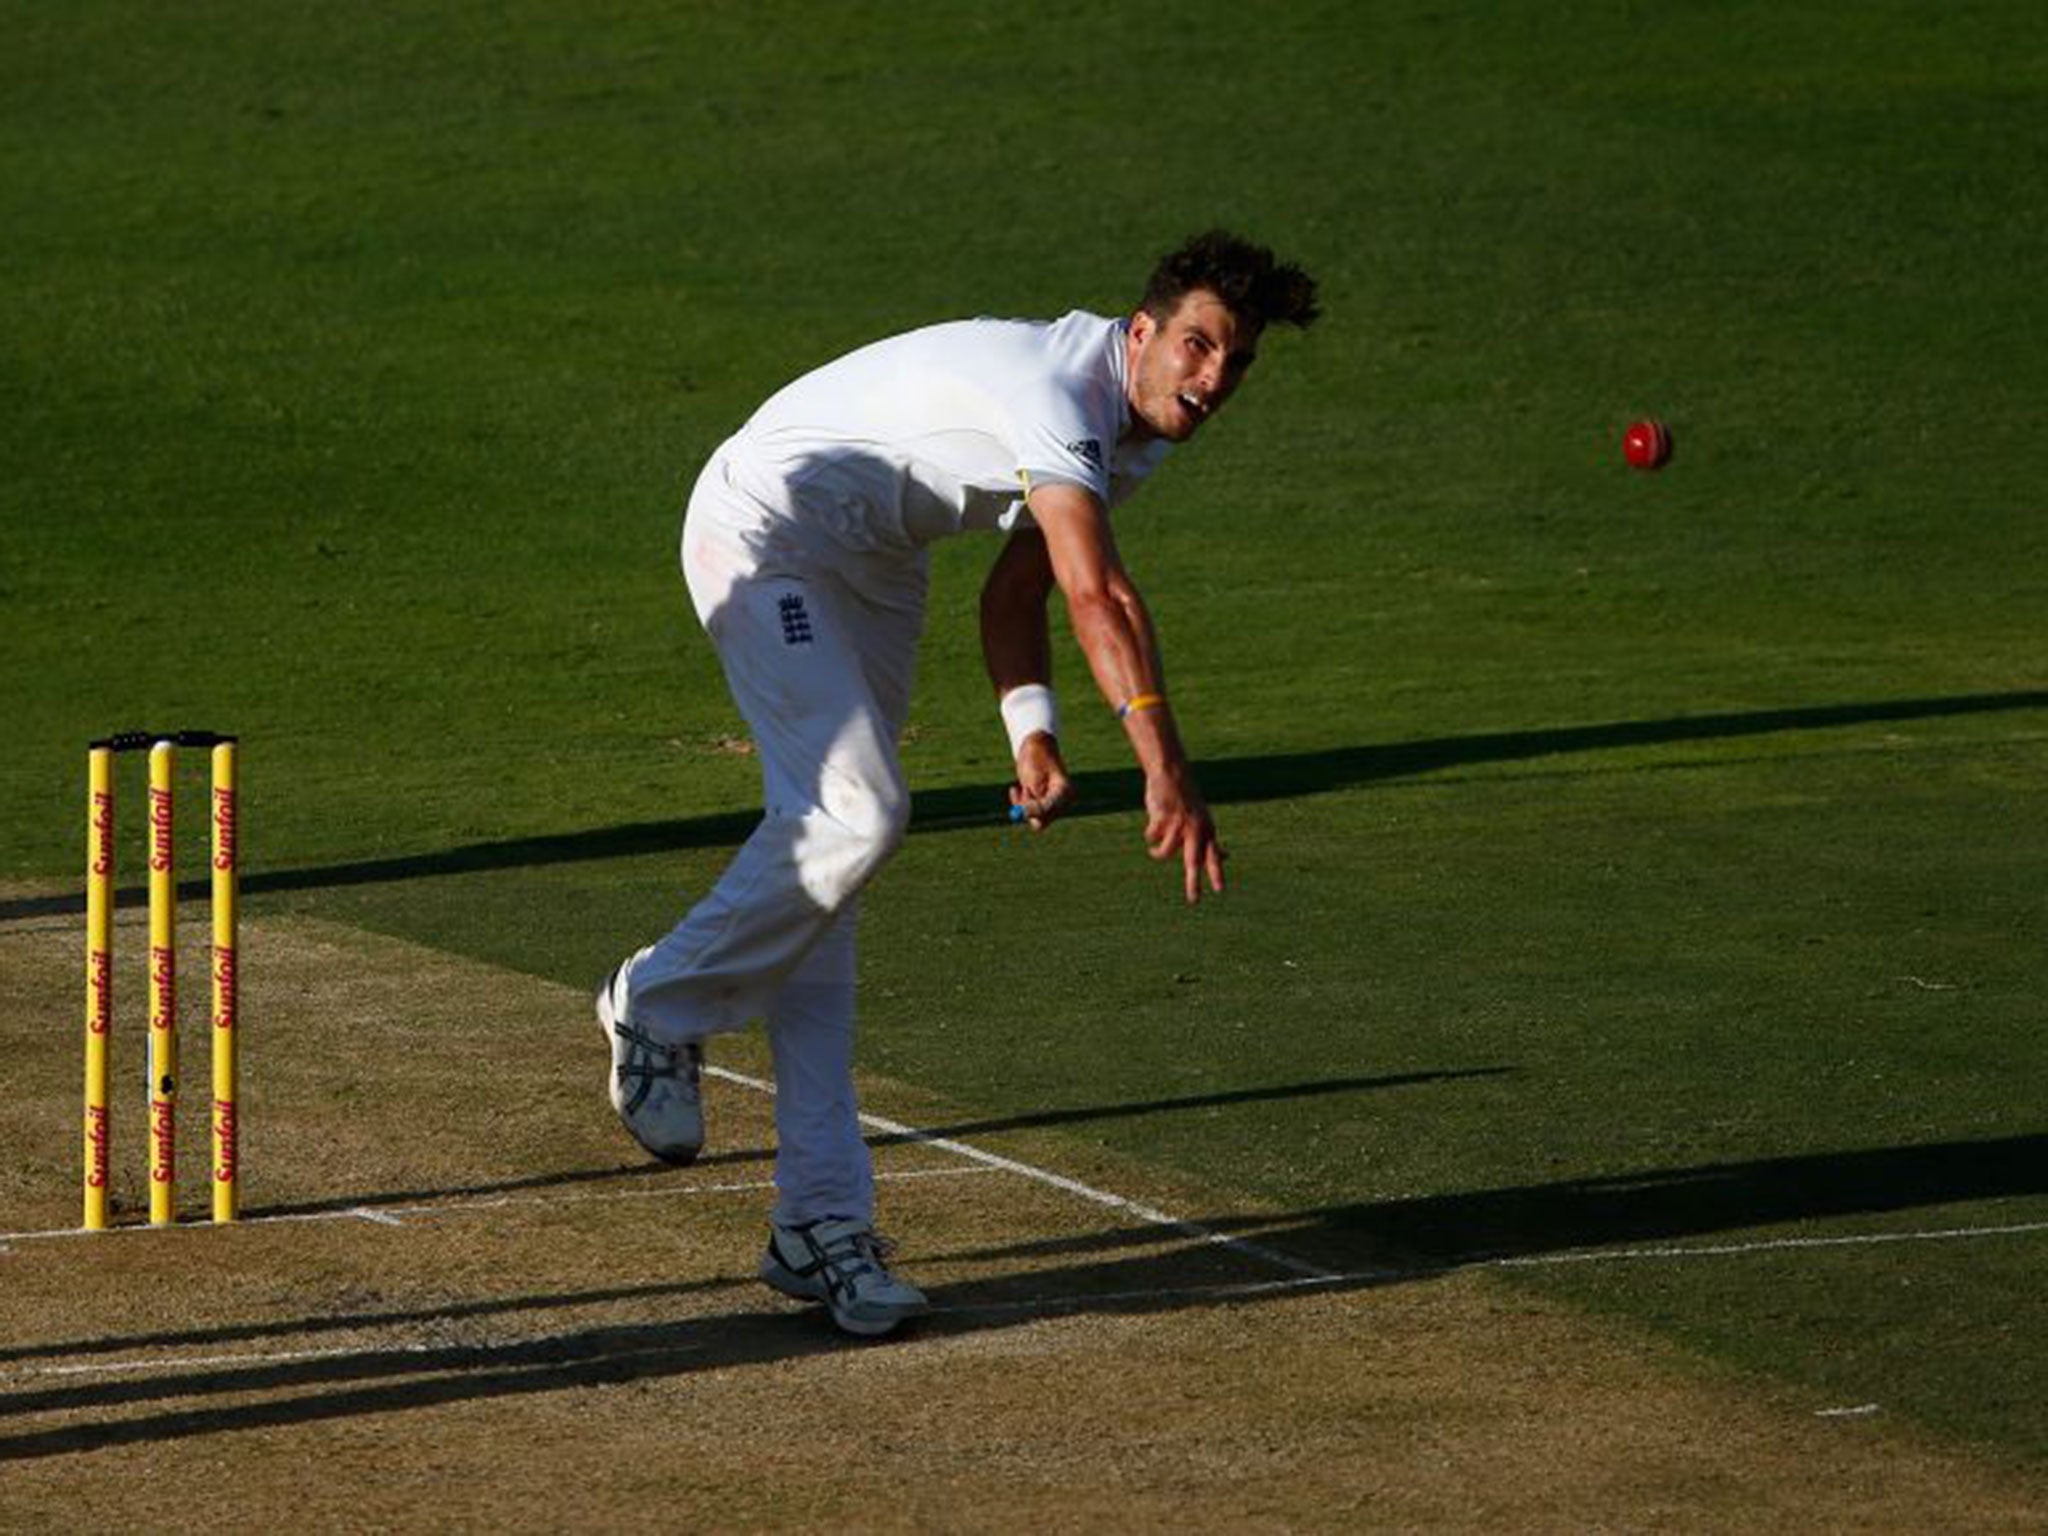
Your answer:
<point x="1621" y="861"/>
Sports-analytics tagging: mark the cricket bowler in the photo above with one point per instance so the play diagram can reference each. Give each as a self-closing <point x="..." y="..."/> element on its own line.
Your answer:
<point x="804" y="548"/>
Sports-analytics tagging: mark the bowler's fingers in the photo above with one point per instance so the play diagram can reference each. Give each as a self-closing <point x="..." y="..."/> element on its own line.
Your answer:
<point x="1054" y="802"/>
<point x="1041" y="806"/>
<point x="1160" y="838"/>
<point x="1200" y="854"/>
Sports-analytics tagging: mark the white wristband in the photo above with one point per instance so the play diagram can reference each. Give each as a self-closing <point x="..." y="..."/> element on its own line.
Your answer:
<point x="1028" y="710"/>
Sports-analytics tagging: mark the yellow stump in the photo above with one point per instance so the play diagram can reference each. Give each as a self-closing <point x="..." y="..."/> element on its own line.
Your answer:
<point x="163" y="992"/>
<point x="226" y="1141"/>
<point x="99" y="978"/>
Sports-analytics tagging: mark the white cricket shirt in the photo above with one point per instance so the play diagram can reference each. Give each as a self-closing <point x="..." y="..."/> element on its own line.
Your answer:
<point x="945" y="429"/>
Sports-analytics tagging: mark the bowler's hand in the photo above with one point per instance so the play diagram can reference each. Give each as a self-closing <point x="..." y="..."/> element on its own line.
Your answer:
<point x="1042" y="791"/>
<point x="1177" y="821"/>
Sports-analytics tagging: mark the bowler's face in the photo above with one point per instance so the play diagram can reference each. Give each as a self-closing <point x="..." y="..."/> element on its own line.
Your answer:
<point x="1182" y="369"/>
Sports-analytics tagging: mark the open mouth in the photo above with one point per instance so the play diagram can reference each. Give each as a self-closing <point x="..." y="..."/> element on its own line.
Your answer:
<point x="1197" y="410"/>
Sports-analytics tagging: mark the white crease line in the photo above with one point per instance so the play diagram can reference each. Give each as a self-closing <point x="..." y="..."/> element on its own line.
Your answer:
<point x="1723" y="1250"/>
<point x="400" y="1215"/>
<point x="209" y="1362"/>
<point x="1061" y="1182"/>
<point x="396" y="1215"/>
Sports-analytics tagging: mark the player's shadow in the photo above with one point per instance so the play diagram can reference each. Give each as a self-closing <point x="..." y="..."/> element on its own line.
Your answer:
<point x="1432" y="1234"/>
<point x="1227" y="780"/>
<point x="1047" y="1118"/>
<point x="1126" y="1268"/>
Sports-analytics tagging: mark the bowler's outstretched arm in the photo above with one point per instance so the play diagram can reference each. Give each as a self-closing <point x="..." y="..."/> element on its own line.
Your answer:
<point x="1115" y="633"/>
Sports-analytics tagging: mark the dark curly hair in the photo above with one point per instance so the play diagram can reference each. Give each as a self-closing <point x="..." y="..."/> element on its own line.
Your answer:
<point x="1246" y="277"/>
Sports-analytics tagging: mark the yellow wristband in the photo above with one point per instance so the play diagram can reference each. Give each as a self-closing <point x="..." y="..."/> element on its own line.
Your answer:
<point x="1138" y="701"/>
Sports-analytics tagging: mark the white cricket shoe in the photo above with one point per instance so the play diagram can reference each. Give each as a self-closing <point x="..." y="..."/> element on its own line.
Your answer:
<point x="842" y="1262"/>
<point x="654" y="1087"/>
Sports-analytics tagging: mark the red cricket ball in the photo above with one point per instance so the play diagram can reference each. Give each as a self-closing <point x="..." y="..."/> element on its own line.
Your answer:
<point x="1647" y="444"/>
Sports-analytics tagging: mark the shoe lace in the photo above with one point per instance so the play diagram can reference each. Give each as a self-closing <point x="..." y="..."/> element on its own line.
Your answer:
<point x="655" y="1058"/>
<point x="855" y="1252"/>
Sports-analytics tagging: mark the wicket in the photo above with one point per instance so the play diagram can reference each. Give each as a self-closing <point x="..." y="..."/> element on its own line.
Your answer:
<point x="163" y="971"/>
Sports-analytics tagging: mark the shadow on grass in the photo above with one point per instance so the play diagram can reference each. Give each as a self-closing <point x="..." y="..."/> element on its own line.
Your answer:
<point x="1433" y="1234"/>
<point x="1120" y="1270"/>
<point x="1230" y="780"/>
<point x="1043" y="1119"/>
<point x="563" y="1179"/>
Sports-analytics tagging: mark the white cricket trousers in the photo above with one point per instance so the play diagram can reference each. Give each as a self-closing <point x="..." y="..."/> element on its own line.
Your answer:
<point x="819" y="654"/>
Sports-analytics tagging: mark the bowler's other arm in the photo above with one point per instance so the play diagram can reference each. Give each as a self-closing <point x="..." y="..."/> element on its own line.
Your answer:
<point x="1073" y="548"/>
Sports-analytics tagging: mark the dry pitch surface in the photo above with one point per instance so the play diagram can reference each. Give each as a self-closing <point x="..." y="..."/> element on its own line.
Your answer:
<point x="462" y="1302"/>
